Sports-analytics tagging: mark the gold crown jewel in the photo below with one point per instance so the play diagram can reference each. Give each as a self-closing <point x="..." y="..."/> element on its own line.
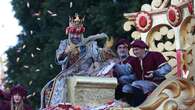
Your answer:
<point x="75" y="25"/>
<point x="76" y="19"/>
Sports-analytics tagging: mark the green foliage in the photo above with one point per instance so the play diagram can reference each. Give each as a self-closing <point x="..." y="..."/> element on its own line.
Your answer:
<point x="33" y="58"/>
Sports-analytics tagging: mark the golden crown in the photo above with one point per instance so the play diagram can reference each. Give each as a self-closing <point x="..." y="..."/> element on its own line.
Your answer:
<point x="76" y="20"/>
<point x="75" y="25"/>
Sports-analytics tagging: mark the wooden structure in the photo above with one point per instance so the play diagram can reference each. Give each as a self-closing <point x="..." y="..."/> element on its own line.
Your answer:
<point x="168" y="26"/>
<point x="83" y="91"/>
<point x="90" y="91"/>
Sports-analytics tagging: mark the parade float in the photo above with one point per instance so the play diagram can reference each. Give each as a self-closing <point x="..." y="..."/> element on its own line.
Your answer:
<point x="167" y="26"/>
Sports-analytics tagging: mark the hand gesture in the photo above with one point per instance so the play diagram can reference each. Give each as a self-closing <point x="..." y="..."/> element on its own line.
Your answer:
<point x="67" y="50"/>
<point x="149" y="74"/>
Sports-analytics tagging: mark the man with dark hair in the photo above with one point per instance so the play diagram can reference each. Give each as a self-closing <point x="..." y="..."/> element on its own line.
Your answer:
<point x="123" y="69"/>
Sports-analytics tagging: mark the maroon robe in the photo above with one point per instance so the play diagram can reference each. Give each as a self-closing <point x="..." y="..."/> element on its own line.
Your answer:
<point x="130" y="60"/>
<point x="118" y="91"/>
<point x="151" y="62"/>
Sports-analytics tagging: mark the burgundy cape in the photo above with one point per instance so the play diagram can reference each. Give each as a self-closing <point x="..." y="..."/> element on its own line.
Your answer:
<point x="151" y="62"/>
<point x="118" y="91"/>
<point x="130" y="60"/>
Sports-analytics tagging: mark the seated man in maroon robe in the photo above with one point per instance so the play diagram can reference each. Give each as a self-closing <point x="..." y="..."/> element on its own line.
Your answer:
<point x="150" y="68"/>
<point x="123" y="69"/>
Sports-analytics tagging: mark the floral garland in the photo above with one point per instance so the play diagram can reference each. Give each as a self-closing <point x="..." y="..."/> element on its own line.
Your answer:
<point x="65" y="106"/>
<point x="106" y="106"/>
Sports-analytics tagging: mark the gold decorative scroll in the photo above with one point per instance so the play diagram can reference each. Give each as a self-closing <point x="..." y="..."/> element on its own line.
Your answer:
<point x="172" y="94"/>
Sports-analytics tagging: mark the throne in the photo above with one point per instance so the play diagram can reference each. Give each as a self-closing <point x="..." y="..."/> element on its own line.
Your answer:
<point x="85" y="91"/>
<point x="167" y="26"/>
<point x="90" y="91"/>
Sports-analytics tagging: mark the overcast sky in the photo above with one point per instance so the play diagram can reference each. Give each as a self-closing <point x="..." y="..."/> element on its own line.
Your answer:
<point x="9" y="27"/>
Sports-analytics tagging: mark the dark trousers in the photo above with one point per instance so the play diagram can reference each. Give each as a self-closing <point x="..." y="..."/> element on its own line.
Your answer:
<point x="135" y="98"/>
